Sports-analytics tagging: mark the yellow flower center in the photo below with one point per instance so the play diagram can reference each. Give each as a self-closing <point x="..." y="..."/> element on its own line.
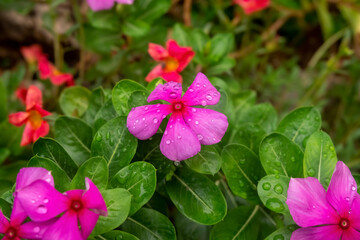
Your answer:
<point x="171" y="64"/>
<point x="35" y="119"/>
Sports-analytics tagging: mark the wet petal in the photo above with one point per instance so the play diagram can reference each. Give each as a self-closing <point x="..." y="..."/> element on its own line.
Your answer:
<point x="342" y="189"/>
<point x="201" y="92"/>
<point x="33" y="97"/>
<point x="42" y="131"/>
<point x="172" y="77"/>
<point x="93" y="199"/>
<point x="88" y="221"/>
<point x="59" y="79"/>
<point x="4" y="223"/>
<point x="157" y="52"/>
<point x="66" y="228"/>
<point x="35" y="230"/>
<point x="125" y="1"/>
<point x="18" y="118"/>
<point x="350" y="234"/>
<point x="179" y="142"/>
<point x="170" y="92"/>
<point x="354" y="213"/>
<point x="331" y="232"/>
<point x="307" y="203"/>
<point x="156" y="72"/>
<point x="75" y="194"/>
<point x="144" y="121"/>
<point x="208" y="125"/>
<point x="41" y="201"/>
<point x="28" y="134"/>
<point x="97" y="5"/>
<point x="182" y="54"/>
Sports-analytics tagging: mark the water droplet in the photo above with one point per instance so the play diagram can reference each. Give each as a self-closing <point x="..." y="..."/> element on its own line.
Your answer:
<point x="36" y="229"/>
<point x="278" y="189"/>
<point x="191" y="90"/>
<point x="293" y="159"/>
<point x="311" y="172"/>
<point x="278" y="237"/>
<point x="204" y="85"/>
<point x="212" y="120"/>
<point x="209" y="97"/>
<point x="332" y="148"/>
<point x="353" y="188"/>
<point x="214" y="139"/>
<point x="277" y="176"/>
<point x="171" y="126"/>
<point x="155" y="120"/>
<point x="275" y="205"/>
<point x="108" y="135"/>
<point x="33" y="201"/>
<point x="98" y="137"/>
<point x="179" y="137"/>
<point x="166" y="132"/>
<point x="215" y="94"/>
<point x="173" y="95"/>
<point x="158" y="105"/>
<point x="347" y="199"/>
<point x="146" y="108"/>
<point x="176" y="163"/>
<point x="266" y="186"/>
<point x="313" y="206"/>
<point x="46" y="200"/>
<point x="48" y="180"/>
<point x="242" y="161"/>
<point x="198" y="85"/>
<point x="158" y="110"/>
<point x="41" y="209"/>
<point x="167" y="142"/>
<point x="203" y="103"/>
<point x="193" y="110"/>
<point x="278" y="164"/>
<point x="189" y="119"/>
<point x="163" y="116"/>
<point x="196" y="122"/>
<point x="241" y="183"/>
<point x="200" y="137"/>
<point x="143" y="119"/>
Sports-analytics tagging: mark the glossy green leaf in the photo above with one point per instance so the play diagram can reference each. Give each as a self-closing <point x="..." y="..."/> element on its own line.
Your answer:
<point x="150" y="225"/>
<point x="118" y="205"/>
<point x="75" y="136"/>
<point x="207" y="161"/>
<point x="320" y="157"/>
<point x="250" y="135"/>
<point x="223" y="66"/>
<point x="119" y="235"/>
<point x="96" y="169"/>
<point x="97" y="100"/>
<point x="121" y="94"/>
<point x="103" y="44"/>
<point x="283" y="233"/>
<point x="195" y="196"/>
<point x="115" y="143"/>
<point x="149" y="10"/>
<point x="300" y="124"/>
<point x="279" y="155"/>
<point x="136" y="28"/>
<point x="139" y="179"/>
<point x="221" y="44"/>
<point x="138" y="98"/>
<point x="51" y="149"/>
<point x="272" y="190"/>
<point x="105" y="114"/>
<point x="104" y="20"/>
<point x="239" y="224"/>
<point x="74" y="101"/>
<point x="262" y="114"/>
<point x="242" y="169"/>
<point x="62" y="181"/>
<point x="357" y="179"/>
<point x="188" y="230"/>
<point x="5" y="185"/>
<point x="10" y="171"/>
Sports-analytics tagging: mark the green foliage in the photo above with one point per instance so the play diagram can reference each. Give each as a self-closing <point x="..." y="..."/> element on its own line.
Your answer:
<point x="74" y="101"/>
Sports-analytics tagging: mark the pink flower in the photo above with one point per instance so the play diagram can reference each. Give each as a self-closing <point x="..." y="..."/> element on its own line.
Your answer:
<point x="188" y="127"/>
<point x="31" y="53"/>
<point x="15" y="228"/>
<point x="42" y="202"/>
<point x="48" y="70"/>
<point x="98" y="5"/>
<point x="331" y="215"/>
<point x="173" y="60"/>
<point x="35" y="126"/>
<point x="251" y="6"/>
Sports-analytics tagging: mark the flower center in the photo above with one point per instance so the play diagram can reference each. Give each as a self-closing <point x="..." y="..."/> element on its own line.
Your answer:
<point x="177" y="106"/>
<point x="35" y="119"/>
<point x="76" y="205"/>
<point x="344" y="223"/>
<point x="11" y="233"/>
<point x="171" y="64"/>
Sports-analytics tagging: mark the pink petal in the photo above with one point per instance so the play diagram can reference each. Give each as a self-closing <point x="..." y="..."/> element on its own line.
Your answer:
<point x="331" y="232"/>
<point x="41" y="201"/>
<point x="88" y="220"/>
<point x="42" y="131"/>
<point x="253" y="5"/>
<point x="182" y="54"/>
<point x="172" y="77"/>
<point x="342" y="189"/>
<point x="93" y="199"/>
<point x="307" y="203"/>
<point x="33" y="97"/>
<point x="170" y="92"/>
<point x="21" y="94"/>
<point x="59" y="79"/>
<point x="208" y="125"/>
<point x="44" y="67"/>
<point x="157" y="52"/>
<point x="42" y="111"/>
<point x="66" y="228"/>
<point x="125" y="1"/>
<point x="350" y="234"/>
<point x="35" y="230"/>
<point x="143" y="122"/>
<point x="75" y="194"/>
<point x="28" y="134"/>
<point x="354" y="216"/>
<point x="201" y="92"/>
<point x="97" y="5"/>
<point x="31" y="53"/>
<point x="4" y="223"/>
<point x="179" y="142"/>
<point x="156" y="72"/>
<point x="18" y="118"/>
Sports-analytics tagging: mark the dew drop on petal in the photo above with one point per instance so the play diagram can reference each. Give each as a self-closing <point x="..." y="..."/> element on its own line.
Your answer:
<point x="198" y="85"/>
<point x="146" y="108"/>
<point x="36" y="229"/>
<point x="158" y="105"/>
<point x="173" y="95"/>
<point x="176" y="163"/>
<point x="314" y="206"/>
<point x="189" y="119"/>
<point x="179" y="137"/>
<point x="203" y="103"/>
<point x="48" y="180"/>
<point x="200" y="137"/>
<point x="204" y="85"/>
<point x="171" y="126"/>
<point x="155" y="120"/>
<point x="193" y="110"/>
<point x="167" y="142"/>
<point x="215" y="94"/>
<point x="166" y="132"/>
<point x="136" y="121"/>
<point x="191" y="90"/>
<point x="208" y="97"/>
<point x="46" y="200"/>
<point x="33" y="201"/>
<point x="353" y="188"/>
<point x="196" y="122"/>
<point x="347" y="199"/>
<point x="163" y="116"/>
<point x="158" y="110"/>
<point x="143" y="119"/>
<point x="41" y="209"/>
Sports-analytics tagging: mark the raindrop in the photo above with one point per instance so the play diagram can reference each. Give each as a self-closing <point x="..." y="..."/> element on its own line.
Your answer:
<point x="36" y="229"/>
<point x="41" y="209"/>
<point x="198" y="85"/>
<point x="191" y="90"/>
<point x="332" y="148"/>
<point x="171" y="126"/>
<point x="278" y="237"/>
<point x="278" y="164"/>
<point x="347" y="199"/>
<point x="98" y="137"/>
<point x="146" y="108"/>
<point x="136" y="121"/>
<point x="158" y="105"/>
<point x="189" y="119"/>
<point x="33" y="201"/>
<point x="242" y="161"/>
<point x="200" y="137"/>
<point x="193" y="110"/>
<point x="208" y="97"/>
<point x="278" y="189"/>
<point x="293" y="159"/>
<point x="266" y="186"/>
<point x="176" y="163"/>
<point x="158" y="110"/>
<point x="353" y="188"/>
<point x="155" y="120"/>
<point x="143" y="119"/>
<point x="275" y="205"/>
<point x="204" y="85"/>
<point x="196" y="122"/>
<point x="48" y="180"/>
<point x="163" y="116"/>
<point x="179" y="137"/>
<point x="311" y="172"/>
<point x="167" y="142"/>
<point x="215" y="94"/>
<point x="313" y="206"/>
<point x="46" y="200"/>
<point x="166" y="132"/>
<point x="107" y="135"/>
<point x="241" y="183"/>
<point x="173" y="95"/>
<point x="203" y="103"/>
<point x="214" y="139"/>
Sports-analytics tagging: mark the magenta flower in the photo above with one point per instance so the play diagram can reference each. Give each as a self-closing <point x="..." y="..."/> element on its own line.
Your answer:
<point x="99" y="5"/>
<point x="42" y="202"/>
<point x="15" y="229"/>
<point x="331" y="215"/>
<point x="188" y="127"/>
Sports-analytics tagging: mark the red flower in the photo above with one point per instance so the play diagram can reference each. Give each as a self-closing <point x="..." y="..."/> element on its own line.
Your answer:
<point x="251" y="6"/>
<point x="173" y="60"/>
<point x="31" y="53"/>
<point x="48" y="70"/>
<point x="35" y="126"/>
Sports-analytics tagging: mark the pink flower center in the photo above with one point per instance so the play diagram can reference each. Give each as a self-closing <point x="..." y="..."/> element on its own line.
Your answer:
<point x="344" y="223"/>
<point x="11" y="233"/>
<point x="178" y="106"/>
<point x="76" y="205"/>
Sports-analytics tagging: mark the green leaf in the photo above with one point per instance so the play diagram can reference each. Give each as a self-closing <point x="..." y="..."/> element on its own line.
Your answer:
<point x="5" y="185"/>
<point x="3" y="102"/>
<point x="320" y="157"/>
<point x="62" y="181"/>
<point x="74" y="101"/>
<point x="108" y="20"/>
<point x="121" y="94"/>
<point x="283" y="233"/>
<point x="5" y="207"/>
<point x="115" y="143"/>
<point x="272" y="190"/>
<point x="262" y="114"/>
<point x="224" y="65"/>
<point x="10" y="171"/>
<point x="149" y="10"/>
<point x="139" y="179"/>
<point x="240" y="224"/>
<point x="51" y="149"/>
<point x="96" y="169"/>
<point x="4" y="154"/>
<point x="300" y="124"/>
<point x="196" y="197"/>
<point x="118" y="205"/>
<point x="250" y="135"/>
<point x="242" y="169"/>
<point x="97" y="100"/>
<point x="150" y="225"/>
<point x="295" y="4"/>
<point x="105" y="114"/>
<point x="188" y="230"/>
<point x="207" y="161"/>
<point x="136" y="28"/>
<point x="75" y="136"/>
<point x="117" y="235"/>
<point x="221" y="44"/>
<point x="103" y="44"/>
<point x="279" y="155"/>
<point x="138" y="98"/>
